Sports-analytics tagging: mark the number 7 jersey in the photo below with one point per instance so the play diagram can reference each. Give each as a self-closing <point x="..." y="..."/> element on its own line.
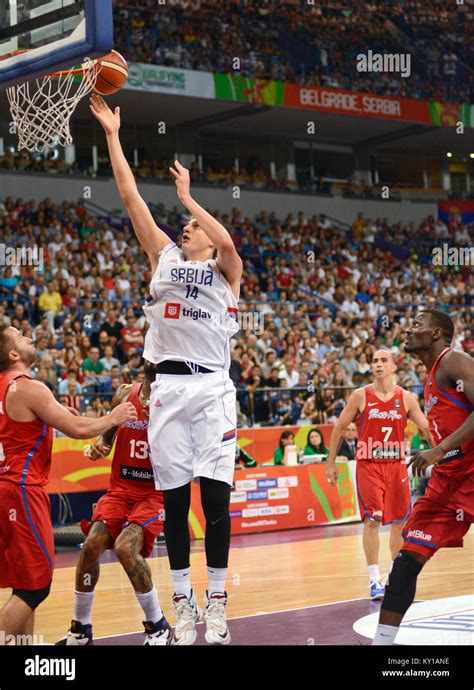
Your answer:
<point x="191" y="311"/>
<point x="382" y="428"/>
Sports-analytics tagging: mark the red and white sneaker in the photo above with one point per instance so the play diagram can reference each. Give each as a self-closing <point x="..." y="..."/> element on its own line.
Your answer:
<point x="215" y="618"/>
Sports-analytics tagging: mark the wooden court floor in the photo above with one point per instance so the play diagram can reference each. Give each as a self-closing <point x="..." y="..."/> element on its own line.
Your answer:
<point x="263" y="577"/>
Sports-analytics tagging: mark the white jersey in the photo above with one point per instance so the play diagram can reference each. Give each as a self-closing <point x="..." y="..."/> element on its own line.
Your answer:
<point x="191" y="310"/>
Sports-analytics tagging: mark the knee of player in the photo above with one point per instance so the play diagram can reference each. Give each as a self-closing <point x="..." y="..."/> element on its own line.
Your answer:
<point x="406" y="568"/>
<point x="128" y="543"/>
<point x="92" y="548"/>
<point x="32" y="597"/>
<point x="371" y="524"/>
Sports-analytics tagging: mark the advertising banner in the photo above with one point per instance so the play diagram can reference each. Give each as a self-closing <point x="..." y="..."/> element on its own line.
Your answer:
<point x="274" y="498"/>
<point x="229" y="87"/>
<point x="340" y="102"/>
<point x="180" y="82"/>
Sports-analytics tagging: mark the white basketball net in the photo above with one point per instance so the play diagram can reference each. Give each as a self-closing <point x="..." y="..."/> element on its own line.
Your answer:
<point x="41" y="110"/>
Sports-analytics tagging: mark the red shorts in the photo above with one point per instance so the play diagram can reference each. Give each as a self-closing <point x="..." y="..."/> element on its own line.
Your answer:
<point x="442" y="516"/>
<point x="383" y="490"/>
<point x="117" y="509"/>
<point x="26" y="537"/>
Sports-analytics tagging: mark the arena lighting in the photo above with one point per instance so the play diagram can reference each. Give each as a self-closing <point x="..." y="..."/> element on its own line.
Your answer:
<point x="471" y="155"/>
<point x="449" y="154"/>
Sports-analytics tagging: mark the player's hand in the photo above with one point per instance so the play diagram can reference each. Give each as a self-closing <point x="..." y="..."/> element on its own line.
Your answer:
<point x="125" y="412"/>
<point x="331" y="473"/>
<point x="181" y="175"/>
<point x="72" y="410"/>
<point x="109" y="120"/>
<point x="422" y="460"/>
<point x="98" y="451"/>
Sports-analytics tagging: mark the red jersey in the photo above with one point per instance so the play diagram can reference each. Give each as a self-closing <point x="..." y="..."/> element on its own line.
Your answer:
<point x="382" y="428"/>
<point x="25" y="447"/>
<point x="131" y="467"/>
<point x="447" y="409"/>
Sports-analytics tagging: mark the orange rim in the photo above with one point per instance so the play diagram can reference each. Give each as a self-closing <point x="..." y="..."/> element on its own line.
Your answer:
<point x="78" y="70"/>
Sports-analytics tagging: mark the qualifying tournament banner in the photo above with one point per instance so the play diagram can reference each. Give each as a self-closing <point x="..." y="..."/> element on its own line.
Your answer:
<point x="179" y="82"/>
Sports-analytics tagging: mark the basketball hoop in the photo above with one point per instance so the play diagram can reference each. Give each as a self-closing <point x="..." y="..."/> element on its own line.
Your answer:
<point x="41" y="109"/>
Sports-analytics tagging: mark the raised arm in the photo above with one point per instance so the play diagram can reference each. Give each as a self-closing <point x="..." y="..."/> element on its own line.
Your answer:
<point x="228" y="260"/>
<point x="35" y="397"/>
<point x="348" y="414"/>
<point x="151" y="238"/>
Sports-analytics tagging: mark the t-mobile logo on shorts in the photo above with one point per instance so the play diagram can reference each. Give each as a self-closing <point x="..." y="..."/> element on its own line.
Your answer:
<point x="172" y="310"/>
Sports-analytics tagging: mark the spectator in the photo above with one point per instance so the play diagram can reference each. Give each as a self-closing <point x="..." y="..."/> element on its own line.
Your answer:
<point x="315" y="443"/>
<point x="348" y="447"/>
<point x="280" y="456"/>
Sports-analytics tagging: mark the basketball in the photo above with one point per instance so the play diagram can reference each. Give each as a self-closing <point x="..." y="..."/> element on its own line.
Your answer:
<point x="112" y="75"/>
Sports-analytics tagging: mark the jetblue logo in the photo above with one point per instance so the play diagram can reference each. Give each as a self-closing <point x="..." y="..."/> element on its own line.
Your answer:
<point x="418" y="534"/>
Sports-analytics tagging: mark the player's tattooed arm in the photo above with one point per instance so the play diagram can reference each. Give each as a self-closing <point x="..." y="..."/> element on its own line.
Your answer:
<point x="152" y="239"/>
<point x="103" y="445"/>
<point x="355" y="404"/>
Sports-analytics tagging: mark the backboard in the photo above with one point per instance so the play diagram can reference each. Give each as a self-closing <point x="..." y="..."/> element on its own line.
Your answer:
<point x="39" y="37"/>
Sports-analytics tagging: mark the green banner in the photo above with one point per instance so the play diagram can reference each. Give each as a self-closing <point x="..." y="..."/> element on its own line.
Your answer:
<point x="449" y="114"/>
<point x="249" y="90"/>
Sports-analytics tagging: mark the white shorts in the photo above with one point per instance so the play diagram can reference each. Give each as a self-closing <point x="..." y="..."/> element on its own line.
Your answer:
<point x="192" y="430"/>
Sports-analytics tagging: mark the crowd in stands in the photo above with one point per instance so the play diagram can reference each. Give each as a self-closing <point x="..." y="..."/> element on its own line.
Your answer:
<point x="316" y="302"/>
<point x="313" y="44"/>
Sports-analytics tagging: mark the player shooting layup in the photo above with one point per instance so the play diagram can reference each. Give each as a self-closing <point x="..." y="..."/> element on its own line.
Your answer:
<point x="382" y="479"/>
<point x="192" y="311"/>
<point x="444" y="514"/>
